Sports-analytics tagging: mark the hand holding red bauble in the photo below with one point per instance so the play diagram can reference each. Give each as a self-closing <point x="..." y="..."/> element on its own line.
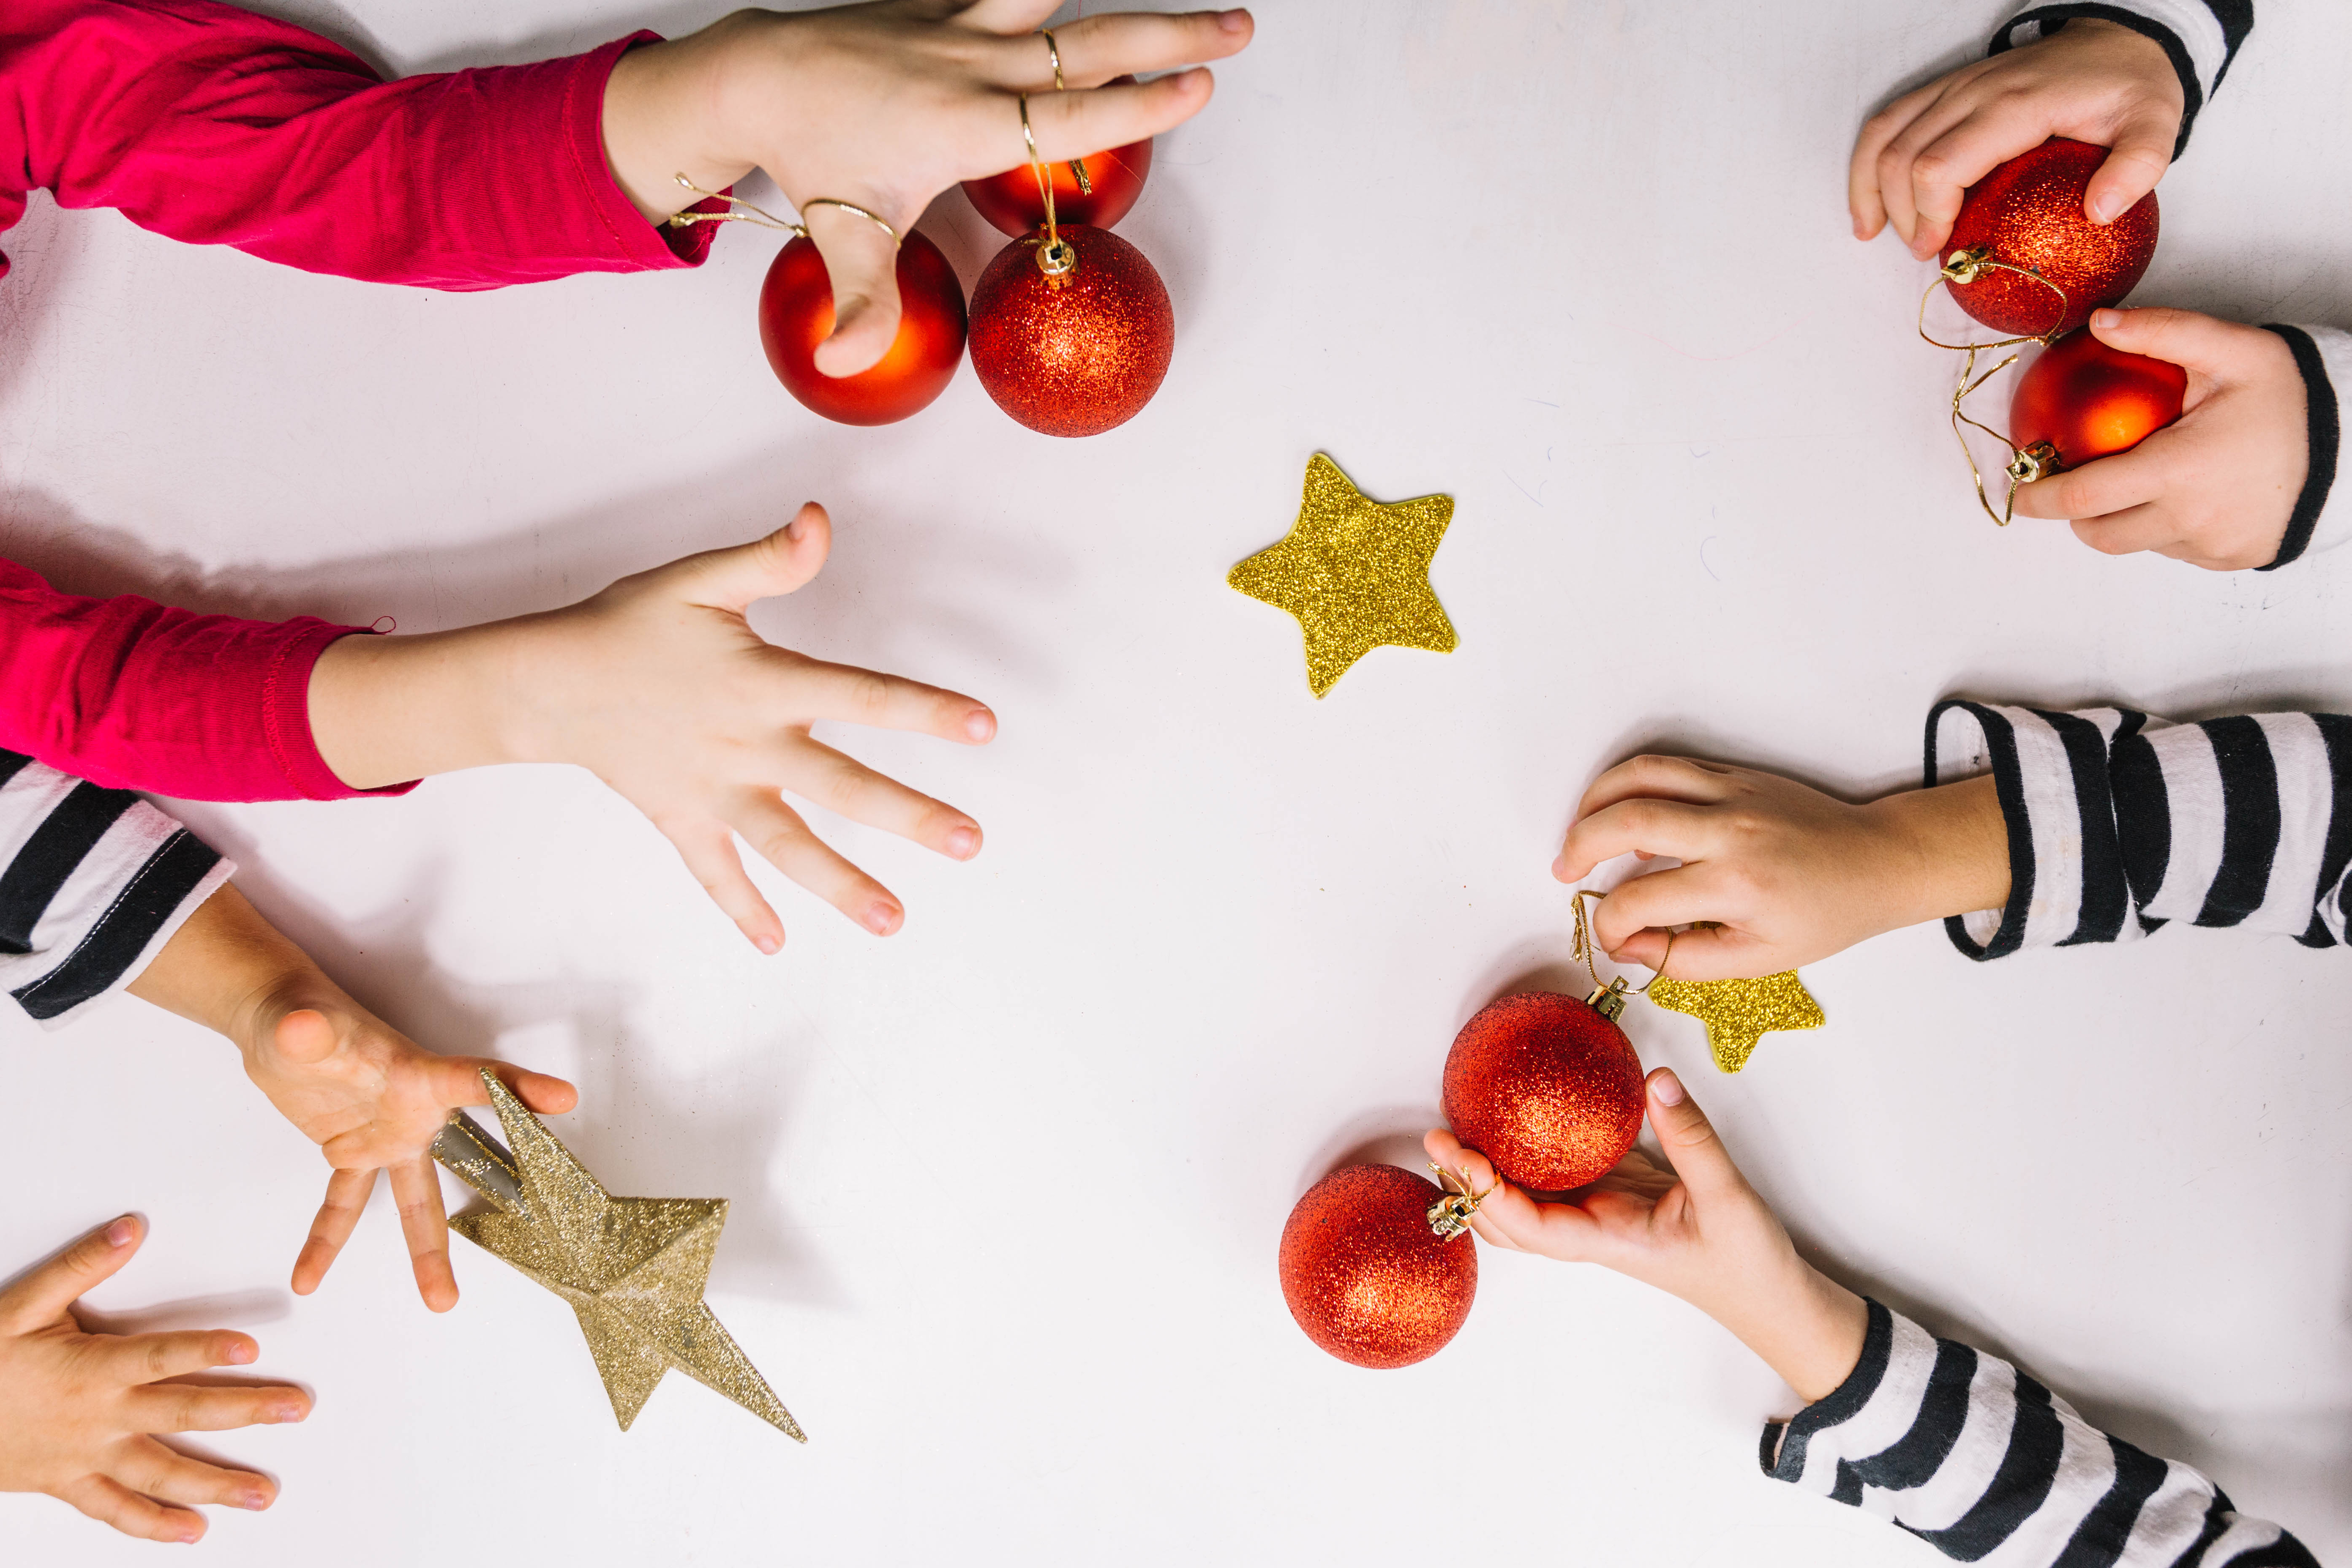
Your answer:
<point x="1365" y="1275"/>
<point x="1077" y="354"/>
<point x="1098" y="189"/>
<point x="2088" y="401"/>
<point x="1548" y="1089"/>
<point x="2029" y="213"/>
<point x="796" y="315"/>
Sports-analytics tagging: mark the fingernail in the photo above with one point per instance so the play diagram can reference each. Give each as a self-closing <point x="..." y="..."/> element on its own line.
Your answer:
<point x="2102" y="207"/>
<point x="119" y="1233"/>
<point x="797" y="529"/>
<point x="980" y="725"/>
<point x="2104" y="317"/>
<point x="963" y="843"/>
<point x="1232" y="21"/>
<point x="281" y="1415"/>
<point x="767" y="944"/>
<point x="241" y="1352"/>
<point x="1559" y="869"/>
<point x="256" y="1501"/>
<point x="879" y="919"/>
<point x="1667" y="1088"/>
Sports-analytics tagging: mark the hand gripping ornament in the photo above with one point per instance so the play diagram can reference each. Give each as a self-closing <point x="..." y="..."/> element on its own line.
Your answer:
<point x="1098" y="189"/>
<point x="796" y="315"/>
<point x="2082" y="400"/>
<point x="2024" y="226"/>
<point x="1369" y="1274"/>
<point x="1071" y="328"/>
<point x="1547" y="1088"/>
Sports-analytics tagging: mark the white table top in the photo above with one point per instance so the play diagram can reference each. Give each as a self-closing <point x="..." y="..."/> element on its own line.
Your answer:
<point x="1007" y="1186"/>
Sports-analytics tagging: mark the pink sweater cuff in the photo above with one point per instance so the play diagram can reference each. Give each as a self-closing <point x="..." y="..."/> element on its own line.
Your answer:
<point x="286" y="716"/>
<point x="637" y="241"/>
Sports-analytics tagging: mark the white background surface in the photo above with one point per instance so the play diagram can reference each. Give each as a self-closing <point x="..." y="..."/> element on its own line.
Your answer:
<point x="1007" y="1186"/>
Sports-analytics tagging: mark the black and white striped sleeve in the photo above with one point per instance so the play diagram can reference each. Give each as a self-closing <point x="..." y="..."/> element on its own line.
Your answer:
<point x="2324" y="355"/>
<point x="93" y="882"/>
<point x="2202" y="36"/>
<point x="2119" y="821"/>
<point x="1987" y="1466"/>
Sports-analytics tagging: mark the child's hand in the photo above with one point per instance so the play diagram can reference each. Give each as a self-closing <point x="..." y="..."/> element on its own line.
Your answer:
<point x="887" y="106"/>
<point x="660" y="687"/>
<point x="1696" y="1231"/>
<point x="367" y="1095"/>
<point x="2093" y="81"/>
<point x="1786" y="874"/>
<point x="2215" y="489"/>
<point x="78" y="1412"/>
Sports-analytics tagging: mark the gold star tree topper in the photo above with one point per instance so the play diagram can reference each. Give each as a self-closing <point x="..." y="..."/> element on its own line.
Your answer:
<point x="1738" y="1013"/>
<point x="1355" y="573"/>
<point x="632" y="1269"/>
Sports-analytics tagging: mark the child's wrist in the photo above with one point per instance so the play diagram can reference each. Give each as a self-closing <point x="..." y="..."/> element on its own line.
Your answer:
<point x="1808" y="1328"/>
<point x="384" y="711"/>
<point x="1950" y="848"/>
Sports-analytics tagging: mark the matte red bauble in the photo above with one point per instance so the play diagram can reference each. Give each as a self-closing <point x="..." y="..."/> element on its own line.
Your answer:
<point x="1365" y="1276"/>
<point x="1546" y="1088"/>
<point x="2029" y="213"/>
<point x="2089" y="401"/>
<point x="1104" y="194"/>
<point x="796" y="314"/>
<point x="1074" y="354"/>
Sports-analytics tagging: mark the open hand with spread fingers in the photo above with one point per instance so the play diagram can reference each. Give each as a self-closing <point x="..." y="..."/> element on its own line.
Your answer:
<point x="1780" y="873"/>
<point x="885" y="106"/>
<point x="80" y="1413"/>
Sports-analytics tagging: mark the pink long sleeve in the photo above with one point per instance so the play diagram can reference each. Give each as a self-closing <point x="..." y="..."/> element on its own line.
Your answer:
<point x="218" y="127"/>
<point x="131" y="695"/>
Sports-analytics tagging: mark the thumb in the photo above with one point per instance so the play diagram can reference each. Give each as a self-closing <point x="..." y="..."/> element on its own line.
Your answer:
<point x="862" y="262"/>
<point x="2143" y="152"/>
<point x="2184" y="338"/>
<point x="1702" y="951"/>
<point x="785" y="560"/>
<point x="1698" y="1155"/>
<point x="42" y="1295"/>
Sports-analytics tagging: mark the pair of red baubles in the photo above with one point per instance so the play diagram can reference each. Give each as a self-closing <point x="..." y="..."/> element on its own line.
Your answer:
<point x="1549" y="1089"/>
<point x="2079" y="399"/>
<point x="1071" y="353"/>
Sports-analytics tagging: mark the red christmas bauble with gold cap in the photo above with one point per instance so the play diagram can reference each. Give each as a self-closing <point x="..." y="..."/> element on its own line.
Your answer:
<point x="796" y="315"/>
<point x="2028" y="212"/>
<point x="1077" y="350"/>
<point x="2088" y="401"/>
<point x="1366" y="1275"/>
<point x="1547" y="1088"/>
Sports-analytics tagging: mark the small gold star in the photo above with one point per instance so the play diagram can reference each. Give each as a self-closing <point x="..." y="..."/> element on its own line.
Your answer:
<point x="632" y="1269"/>
<point x="1355" y="573"/>
<point x="1738" y="1013"/>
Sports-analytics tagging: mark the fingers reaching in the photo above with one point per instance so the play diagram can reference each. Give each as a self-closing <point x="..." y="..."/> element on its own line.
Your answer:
<point x="347" y="1196"/>
<point x="708" y="847"/>
<point x="1094" y="49"/>
<point x="111" y="1502"/>
<point x="42" y="1295"/>
<point x="848" y="695"/>
<point x="850" y="788"/>
<point x="156" y="1471"/>
<point x="735" y="578"/>
<point x="188" y="1407"/>
<point x="416" y="1193"/>
<point x="1654" y="827"/>
<point x="150" y="1358"/>
<point x="785" y="842"/>
<point x="1698" y="1156"/>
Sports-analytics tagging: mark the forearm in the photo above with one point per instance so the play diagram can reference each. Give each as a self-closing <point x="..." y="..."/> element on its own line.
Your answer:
<point x="387" y="709"/>
<point x="660" y="119"/>
<point x="1802" y="1324"/>
<point x="1954" y="847"/>
<point x="229" y="969"/>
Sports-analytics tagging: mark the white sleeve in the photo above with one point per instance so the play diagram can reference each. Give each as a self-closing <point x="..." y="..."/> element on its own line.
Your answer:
<point x="93" y="882"/>
<point x="2320" y="520"/>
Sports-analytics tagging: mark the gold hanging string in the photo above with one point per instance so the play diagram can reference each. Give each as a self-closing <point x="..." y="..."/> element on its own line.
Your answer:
<point x="1583" y="945"/>
<point x="2026" y="464"/>
<point x="1055" y="256"/>
<point x="1077" y="165"/>
<point x="762" y="217"/>
<point x="1449" y="1216"/>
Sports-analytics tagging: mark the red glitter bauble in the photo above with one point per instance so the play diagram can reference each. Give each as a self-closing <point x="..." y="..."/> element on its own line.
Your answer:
<point x="2029" y="213"/>
<point x="1010" y="202"/>
<point x="1547" y="1088"/>
<point x="1077" y="355"/>
<point x="1365" y="1276"/>
<point x="2090" y="401"/>
<point x="796" y="314"/>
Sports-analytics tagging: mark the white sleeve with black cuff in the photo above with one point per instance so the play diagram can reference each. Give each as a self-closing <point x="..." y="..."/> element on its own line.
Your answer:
<point x="93" y="882"/>
<point x="1987" y="1466"/>
<point x="2324" y="355"/>
<point x="2201" y="37"/>
<point x="2119" y="821"/>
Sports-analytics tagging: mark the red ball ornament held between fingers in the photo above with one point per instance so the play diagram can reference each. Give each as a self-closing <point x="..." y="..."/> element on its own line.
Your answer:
<point x="1364" y="1274"/>
<point x="1546" y="1088"/>
<point x="1077" y="353"/>
<point x="2029" y="213"/>
<point x="2087" y="401"/>
<point x="796" y="315"/>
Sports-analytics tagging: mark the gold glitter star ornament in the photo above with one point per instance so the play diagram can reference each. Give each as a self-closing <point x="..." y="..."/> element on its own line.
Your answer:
<point x="1738" y="1013"/>
<point x="1355" y="573"/>
<point x="631" y="1270"/>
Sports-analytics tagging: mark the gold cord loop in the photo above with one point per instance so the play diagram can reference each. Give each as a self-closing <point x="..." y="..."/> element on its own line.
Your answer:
<point x="2026" y="464"/>
<point x="1055" y="256"/>
<point x="1449" y="1216"/>
<point x="765" y="219"/>
<point x="1608" y="996"/>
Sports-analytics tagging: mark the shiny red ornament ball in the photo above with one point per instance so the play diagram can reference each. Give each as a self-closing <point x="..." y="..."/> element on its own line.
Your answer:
<point x="796" y="314"/>
<point x="1365" y="1276"/>
<point x="2090" y="401"/>
<point x="1546" y="1088"/>
<point x="1010" y="202"/>
<point x="1077" y="355"/>
<point x="2029" y="213"/>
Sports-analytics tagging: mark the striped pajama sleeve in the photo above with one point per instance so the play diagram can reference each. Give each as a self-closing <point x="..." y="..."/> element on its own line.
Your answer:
<point x="2202" y="36"/>
<point x="1987" y="1466"/>
<point x="93" y="882"/>
<point x="2119" y="821"/>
